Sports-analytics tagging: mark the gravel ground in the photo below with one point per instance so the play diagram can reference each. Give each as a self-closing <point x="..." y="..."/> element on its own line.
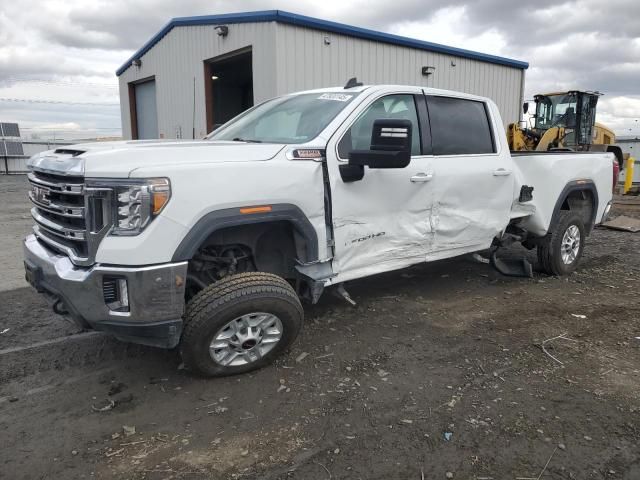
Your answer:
<point x="438" y="371"/>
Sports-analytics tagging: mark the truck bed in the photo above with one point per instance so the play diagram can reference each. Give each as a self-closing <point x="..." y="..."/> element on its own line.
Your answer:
<point x="551" y="173"/>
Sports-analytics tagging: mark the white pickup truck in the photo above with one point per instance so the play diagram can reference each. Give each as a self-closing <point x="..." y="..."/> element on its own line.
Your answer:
<point x="211" y="244"/>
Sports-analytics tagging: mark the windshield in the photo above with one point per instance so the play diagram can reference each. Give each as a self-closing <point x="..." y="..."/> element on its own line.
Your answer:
<point x="556" y="111"/>
<point x="289" y="119"/>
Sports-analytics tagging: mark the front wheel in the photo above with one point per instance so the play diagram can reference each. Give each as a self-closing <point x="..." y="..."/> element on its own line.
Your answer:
<point x="240" y="323"/>
<point x="560" y="252"/>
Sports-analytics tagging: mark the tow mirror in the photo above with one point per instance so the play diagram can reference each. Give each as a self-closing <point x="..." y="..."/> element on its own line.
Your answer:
<point x="525" y="107"/>
<point x="390" y="148"/>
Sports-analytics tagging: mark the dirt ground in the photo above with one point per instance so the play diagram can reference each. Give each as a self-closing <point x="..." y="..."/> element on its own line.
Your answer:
<point x="439" y="370"/>
<point x="22" y="311"/>
<point x="15" y="224"/>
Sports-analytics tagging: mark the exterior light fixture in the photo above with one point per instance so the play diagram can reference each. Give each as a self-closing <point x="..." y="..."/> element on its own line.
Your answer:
<point x="214" y="77"/>
<point x="222" y="30"/>
<point x="136" y="63"/>
<point x="428" y="70"/>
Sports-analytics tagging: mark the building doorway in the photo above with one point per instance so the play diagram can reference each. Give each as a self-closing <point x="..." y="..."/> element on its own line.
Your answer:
<point x="142" y="108"/>
<point x="228" y="87"/>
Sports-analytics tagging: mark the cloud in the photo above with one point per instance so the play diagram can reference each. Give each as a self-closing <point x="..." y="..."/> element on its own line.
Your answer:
<point x="62" y="121"/>
<point x="587" y="44"/>
<point x="24" y="63"/>
<point x="621" y="114"/>
<point x="83" y="38"/>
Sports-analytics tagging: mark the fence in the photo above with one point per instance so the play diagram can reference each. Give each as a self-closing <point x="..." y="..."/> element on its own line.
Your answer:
<point x="14" y="164"/>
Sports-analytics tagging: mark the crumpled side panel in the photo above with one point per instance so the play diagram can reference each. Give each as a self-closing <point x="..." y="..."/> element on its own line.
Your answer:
<point x="380" y="221"/>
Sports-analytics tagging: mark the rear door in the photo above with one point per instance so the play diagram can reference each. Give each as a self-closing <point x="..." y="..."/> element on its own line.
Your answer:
<point x="473" y="180"/>
<point x="380" y="222"/>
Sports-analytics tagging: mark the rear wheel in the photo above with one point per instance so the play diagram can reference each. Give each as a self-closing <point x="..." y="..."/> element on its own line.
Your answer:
<point x="240" y="323"/>
<point x="560" y="252"/>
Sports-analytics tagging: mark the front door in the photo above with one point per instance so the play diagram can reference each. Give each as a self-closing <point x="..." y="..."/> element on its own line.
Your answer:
<point x="381" y="221"/>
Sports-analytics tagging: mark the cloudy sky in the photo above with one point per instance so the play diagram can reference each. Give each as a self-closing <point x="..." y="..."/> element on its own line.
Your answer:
<point x="58" y="57"/>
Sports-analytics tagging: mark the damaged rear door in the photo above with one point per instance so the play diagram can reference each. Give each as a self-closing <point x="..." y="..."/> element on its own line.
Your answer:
<point x="473" y="180"/>
<point x="380" y="222"/>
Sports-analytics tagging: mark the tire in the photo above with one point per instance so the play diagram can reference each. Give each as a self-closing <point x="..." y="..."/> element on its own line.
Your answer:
<point x="242" y="311"/>
<point x="550" y="251"/>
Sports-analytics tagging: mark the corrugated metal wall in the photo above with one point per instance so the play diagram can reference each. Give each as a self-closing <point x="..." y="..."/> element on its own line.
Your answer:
<point x="631" y="147"/>
<point x="178" y="58"/>
<point x="11" y="165"/>
<point x="31" y="147"/>
<point x="288" y="58"/>
<point x="305" y="61"/>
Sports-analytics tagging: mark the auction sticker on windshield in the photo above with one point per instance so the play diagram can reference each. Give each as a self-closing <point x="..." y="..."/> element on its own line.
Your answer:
<point x="338" y="97"/>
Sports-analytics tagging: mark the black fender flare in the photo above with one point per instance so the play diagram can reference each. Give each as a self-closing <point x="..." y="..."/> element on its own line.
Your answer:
<point x="231" y="217"/>
<point x="617" y="151"/>
<point x="577" y="186"/>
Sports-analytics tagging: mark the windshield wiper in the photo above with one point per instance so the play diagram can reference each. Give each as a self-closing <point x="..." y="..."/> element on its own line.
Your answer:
<point x="246" y="140"/>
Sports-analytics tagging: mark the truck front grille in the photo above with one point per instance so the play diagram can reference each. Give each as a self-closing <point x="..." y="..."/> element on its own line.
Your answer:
<point x="69" y="218"/>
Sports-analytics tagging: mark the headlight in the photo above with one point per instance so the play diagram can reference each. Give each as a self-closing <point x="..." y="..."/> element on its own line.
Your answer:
<point x="136" y="202"/>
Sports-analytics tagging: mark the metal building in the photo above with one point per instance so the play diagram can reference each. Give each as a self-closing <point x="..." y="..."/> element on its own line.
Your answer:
<point x="198" y="72"/>
<point x="630" y="145"/>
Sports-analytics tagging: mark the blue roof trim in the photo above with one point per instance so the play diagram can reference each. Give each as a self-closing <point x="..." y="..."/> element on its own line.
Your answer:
<point x="324" y="25"/>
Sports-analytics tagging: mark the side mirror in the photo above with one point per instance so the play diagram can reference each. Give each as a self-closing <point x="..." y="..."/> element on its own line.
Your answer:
<point x="525" y="107"/>
<point x="391" y="141"/>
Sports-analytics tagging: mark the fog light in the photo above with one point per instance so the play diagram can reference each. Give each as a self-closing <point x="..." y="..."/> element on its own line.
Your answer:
<point x="124" y="293"/>
<point x="116" y="293"/>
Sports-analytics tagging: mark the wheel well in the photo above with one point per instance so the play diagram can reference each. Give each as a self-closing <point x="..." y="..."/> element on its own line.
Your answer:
<point x="617" y="151"/>
<point x="270" y="247"/>
<point x="583" y="202"/>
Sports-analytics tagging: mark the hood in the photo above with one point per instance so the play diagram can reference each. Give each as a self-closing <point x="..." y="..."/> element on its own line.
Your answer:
<point x="119" y="159"/>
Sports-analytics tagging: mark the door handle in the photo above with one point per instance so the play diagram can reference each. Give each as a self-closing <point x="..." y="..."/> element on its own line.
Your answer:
<point x="422" y="177"/>
<point x="501" y="172"/>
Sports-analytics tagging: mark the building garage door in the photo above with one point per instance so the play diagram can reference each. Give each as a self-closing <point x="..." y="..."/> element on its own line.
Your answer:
<point x="146" y="113"/>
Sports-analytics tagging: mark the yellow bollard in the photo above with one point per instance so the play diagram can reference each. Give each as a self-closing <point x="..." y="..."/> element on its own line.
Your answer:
<point x="628" y="177"/>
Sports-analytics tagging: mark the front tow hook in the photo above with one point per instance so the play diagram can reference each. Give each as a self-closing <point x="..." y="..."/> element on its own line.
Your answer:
<point x="60" y="308"/>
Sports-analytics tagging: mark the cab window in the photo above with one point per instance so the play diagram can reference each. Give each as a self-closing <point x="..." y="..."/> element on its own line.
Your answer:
<point x="459" y="127"/>
<point x="358" y="137"/>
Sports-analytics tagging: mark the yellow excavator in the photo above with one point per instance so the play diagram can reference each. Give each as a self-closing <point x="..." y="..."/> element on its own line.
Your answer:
<point x="564" y="121"/>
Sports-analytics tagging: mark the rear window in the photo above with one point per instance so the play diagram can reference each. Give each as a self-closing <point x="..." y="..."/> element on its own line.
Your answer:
<point x="459" y="127"/>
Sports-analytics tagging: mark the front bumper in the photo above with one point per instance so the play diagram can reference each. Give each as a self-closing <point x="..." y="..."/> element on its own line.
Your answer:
<point x="156" y="295"/>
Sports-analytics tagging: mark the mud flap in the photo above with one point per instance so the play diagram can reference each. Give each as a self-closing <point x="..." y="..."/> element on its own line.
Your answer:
<point x="511" y="267"/>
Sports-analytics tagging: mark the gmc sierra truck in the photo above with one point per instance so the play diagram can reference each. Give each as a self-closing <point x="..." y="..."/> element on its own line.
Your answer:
<point x="210" y="245"/>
